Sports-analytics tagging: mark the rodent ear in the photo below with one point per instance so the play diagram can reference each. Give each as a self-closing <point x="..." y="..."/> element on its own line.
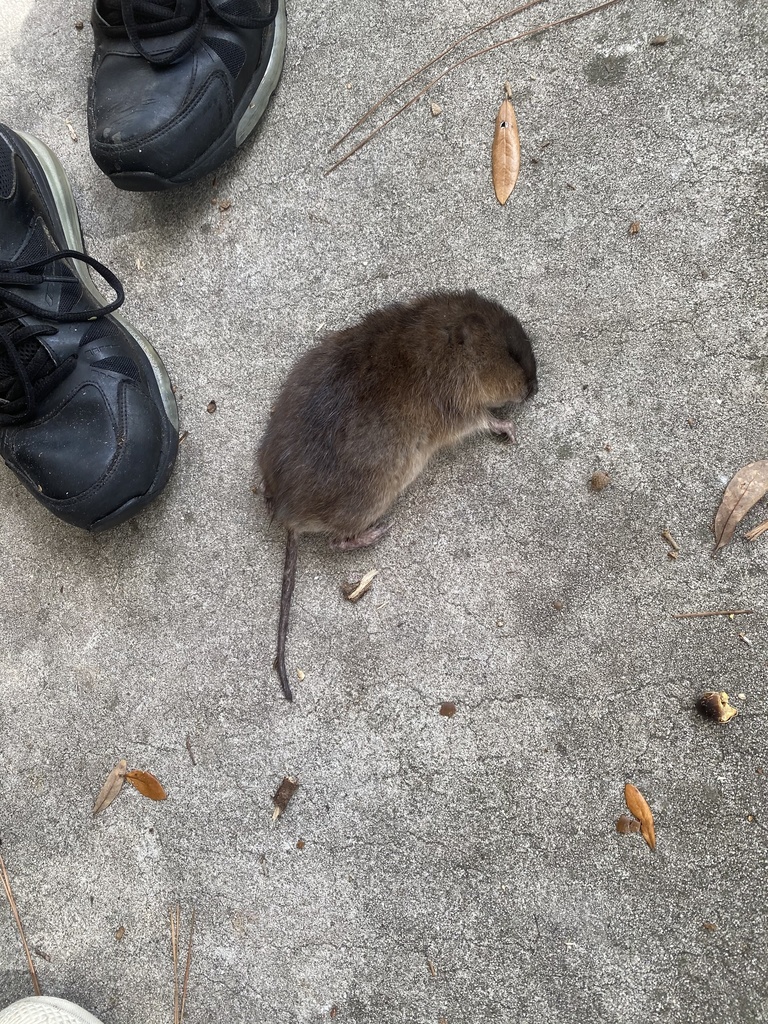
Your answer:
<point x="463" y="332"/>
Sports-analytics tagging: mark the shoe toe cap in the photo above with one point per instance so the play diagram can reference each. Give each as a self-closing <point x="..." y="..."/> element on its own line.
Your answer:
<point x="156" y="120"/>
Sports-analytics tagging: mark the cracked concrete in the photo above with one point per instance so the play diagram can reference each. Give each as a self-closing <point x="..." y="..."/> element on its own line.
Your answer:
<point x="483" y="844"/>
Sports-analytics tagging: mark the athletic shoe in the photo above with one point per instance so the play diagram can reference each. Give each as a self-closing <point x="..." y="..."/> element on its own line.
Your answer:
<point x="46" y="1010"/>
<point x="88" y="420"/>
<point x="177" y="85"/>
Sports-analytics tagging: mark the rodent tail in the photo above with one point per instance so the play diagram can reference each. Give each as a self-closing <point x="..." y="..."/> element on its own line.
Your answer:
<point x="289" y="579"/>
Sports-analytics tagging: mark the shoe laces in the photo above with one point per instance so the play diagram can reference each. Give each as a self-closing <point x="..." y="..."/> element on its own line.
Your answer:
<point x="27" y="370"/>
<point x="143" y="19"/>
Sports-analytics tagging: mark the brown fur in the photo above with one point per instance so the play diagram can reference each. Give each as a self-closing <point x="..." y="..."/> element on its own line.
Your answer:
<point x="361" y="413"/>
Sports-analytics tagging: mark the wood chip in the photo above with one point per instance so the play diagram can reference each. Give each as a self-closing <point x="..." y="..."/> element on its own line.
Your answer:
<point x="282" y="797"/>
<point x="354" y="591"/>
<point x="111" y="788"/>
<point x="667" y="537"/>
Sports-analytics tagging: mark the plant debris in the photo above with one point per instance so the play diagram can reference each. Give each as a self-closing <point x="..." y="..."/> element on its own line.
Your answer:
<point x="626" y="824"/>
<point x="536" y="30"/>
<point x="745" y="488"/>
<point x="599" y="481"/>
<point x="729" y="612"/>
<point x="505" y="152"/>
<point x="183" y="436"/>
<point x="716" y="706"/>
<point x="447" y="709"/>
<point x="4" y="877"/>
<point x="757" y="531"/>
<point x="435" y="109"/>
<point x="211" y="407"/>
<point x="634" y="228"/>
<point x="282" y="797"/>
<point x="354" y="591"/>
<point x="146" y="784"/>
<point x="111" y="788"/>
<point x="638" y="806"/>
<point x="180" y="996"/>
<point x="120" y="933"/>
<point x="659" y="41"/>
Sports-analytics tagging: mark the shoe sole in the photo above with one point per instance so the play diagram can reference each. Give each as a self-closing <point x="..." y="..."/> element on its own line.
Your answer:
<point x="46" y="1010"/>
<point x="65" y="208"/>
<point x="249" y="112"/>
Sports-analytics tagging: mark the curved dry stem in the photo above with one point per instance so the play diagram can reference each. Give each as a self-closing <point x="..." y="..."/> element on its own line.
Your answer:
<point x="425" y="67"/>
<point x="477" y="53"/>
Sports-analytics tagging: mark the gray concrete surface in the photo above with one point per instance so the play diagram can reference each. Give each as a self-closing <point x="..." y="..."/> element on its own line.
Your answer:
<point x="484" y="843"/>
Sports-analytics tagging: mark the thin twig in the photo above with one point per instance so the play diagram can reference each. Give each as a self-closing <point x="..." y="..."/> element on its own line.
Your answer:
<point x="175" y="913"/>
<point x="757" y="531"/>
<point x="706" y="615"/>
<point x="15" y="911"/>
<point x="426" y="67"/>
<point x="186" y="970"/>
<point x="477" y="53"/>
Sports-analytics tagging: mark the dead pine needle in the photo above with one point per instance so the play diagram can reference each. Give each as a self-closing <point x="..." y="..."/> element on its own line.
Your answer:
<point x="15" y="911"/>
<point x="425" y="67"/>
<point x="536" y="30"/>
<point x="180" y="993"/>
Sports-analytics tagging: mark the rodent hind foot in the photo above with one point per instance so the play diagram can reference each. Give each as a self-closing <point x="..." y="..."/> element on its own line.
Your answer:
<point x="363" y="540"/>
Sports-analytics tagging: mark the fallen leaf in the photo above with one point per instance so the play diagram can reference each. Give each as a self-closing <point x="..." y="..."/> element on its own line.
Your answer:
<point x="638" y="806"/>
<point x="447" y="709"/>
<point x="626" y="824"/>
<point x="282" y="797"/>
<point x="146" y="784"/>
<point x="354" y="591"/>
<point x="715" y="705"/>
<point x="744" y="489"/>
<point x="111" y="787"/>
<point x="505" y="153"/>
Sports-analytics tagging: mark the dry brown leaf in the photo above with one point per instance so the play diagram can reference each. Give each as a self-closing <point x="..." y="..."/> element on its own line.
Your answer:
<point x="505" y="153"/>
<point x="744" y="489"/>
<point x="638" y="806"/>
<point x="147" y="784"/>
<point x="282" y="797"/>
<point x="111" y="787"/>
<point x="717" y="706"/>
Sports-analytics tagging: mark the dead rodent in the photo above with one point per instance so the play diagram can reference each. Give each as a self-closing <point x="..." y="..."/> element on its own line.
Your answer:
<point x="361" y="413"/>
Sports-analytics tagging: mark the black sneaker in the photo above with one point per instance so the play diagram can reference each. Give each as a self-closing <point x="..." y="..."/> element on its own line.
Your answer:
<point x="88" y="420"/>
<point x="177" y="85"/>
